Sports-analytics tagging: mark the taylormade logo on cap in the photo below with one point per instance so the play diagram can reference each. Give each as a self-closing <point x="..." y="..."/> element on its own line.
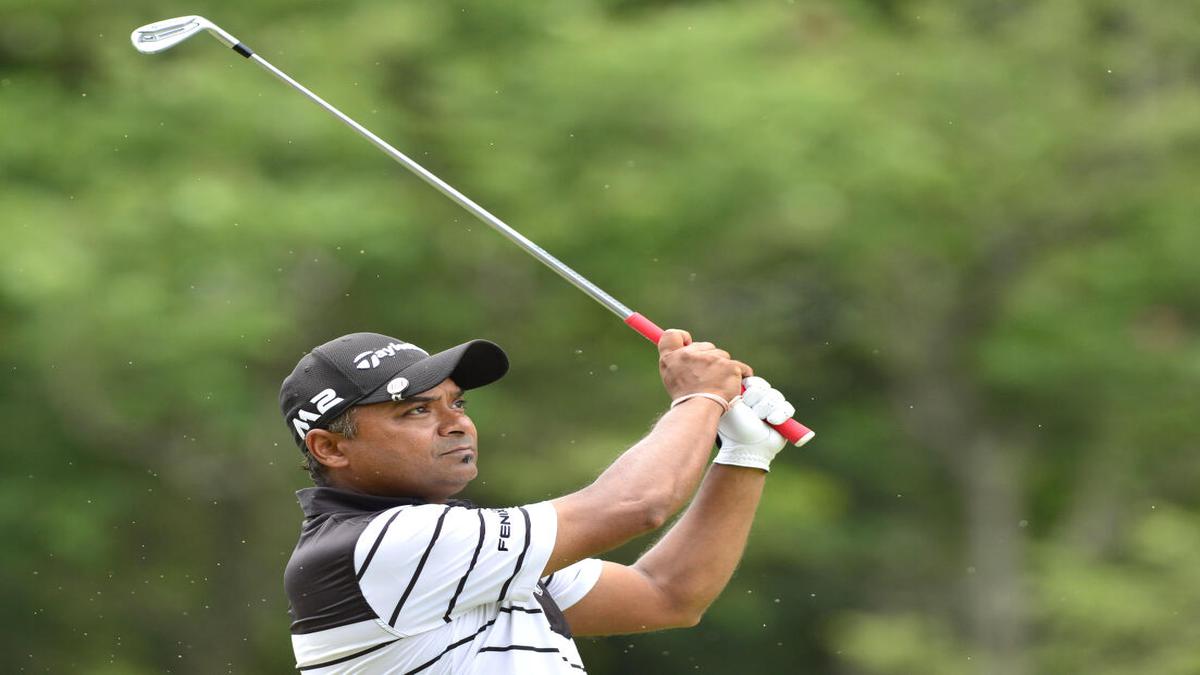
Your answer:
<point x="372" y="358"/>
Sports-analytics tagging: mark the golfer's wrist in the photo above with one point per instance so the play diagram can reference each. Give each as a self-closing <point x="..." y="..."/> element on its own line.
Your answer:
<point x="715" y="401"/>
<point x="745" y="458"/>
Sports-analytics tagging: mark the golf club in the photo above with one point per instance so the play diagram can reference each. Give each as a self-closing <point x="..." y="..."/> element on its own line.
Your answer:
<point x="162" y="35"/>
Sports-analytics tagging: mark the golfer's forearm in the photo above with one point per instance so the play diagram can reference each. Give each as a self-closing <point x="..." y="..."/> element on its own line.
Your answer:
<point x="661" y="471"/>
<point x="641" y="490"/>
<point x="694" y="561"/>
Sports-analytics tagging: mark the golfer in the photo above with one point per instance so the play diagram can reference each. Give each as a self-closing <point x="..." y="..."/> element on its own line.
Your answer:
<point x="393" y="575"/>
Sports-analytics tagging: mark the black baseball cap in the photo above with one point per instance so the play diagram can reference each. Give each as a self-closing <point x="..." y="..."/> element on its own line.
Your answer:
<point x="362" y="368"/>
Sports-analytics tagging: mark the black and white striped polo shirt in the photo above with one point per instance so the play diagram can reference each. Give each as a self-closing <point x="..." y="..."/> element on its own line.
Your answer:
<point x="385" y="585"/>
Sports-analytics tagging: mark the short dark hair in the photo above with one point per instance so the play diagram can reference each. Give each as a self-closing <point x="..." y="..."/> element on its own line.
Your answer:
<point x="343" y="424"/>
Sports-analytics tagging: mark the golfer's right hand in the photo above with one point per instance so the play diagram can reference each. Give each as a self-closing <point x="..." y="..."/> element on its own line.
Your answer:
<point x="691" y="367"/>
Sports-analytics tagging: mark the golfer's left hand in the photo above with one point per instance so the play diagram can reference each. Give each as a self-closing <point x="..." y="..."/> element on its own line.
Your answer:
<point x="745" y="439"/>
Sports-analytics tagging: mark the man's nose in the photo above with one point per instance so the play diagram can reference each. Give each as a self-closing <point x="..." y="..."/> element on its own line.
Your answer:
<point x="454" y="422"/>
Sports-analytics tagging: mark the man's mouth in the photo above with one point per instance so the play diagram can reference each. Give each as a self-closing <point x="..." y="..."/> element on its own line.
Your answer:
<point x="463" y="454"/>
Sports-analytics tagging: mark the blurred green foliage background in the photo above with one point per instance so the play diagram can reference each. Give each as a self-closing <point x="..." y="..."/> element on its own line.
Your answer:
<point x="961" y="236"/>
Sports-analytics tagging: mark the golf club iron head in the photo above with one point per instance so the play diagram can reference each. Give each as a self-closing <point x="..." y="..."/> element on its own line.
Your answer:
<point x="162" y="35"/>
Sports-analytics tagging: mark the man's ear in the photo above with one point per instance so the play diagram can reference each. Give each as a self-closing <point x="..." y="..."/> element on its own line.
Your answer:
<point x="323" y="444"/>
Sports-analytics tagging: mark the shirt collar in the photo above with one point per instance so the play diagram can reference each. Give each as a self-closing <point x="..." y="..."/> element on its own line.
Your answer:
<point x="316" y="501"/>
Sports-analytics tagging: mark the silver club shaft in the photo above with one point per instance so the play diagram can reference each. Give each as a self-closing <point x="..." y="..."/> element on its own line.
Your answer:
<point x="162" y="35"/>
<point x="445" y="188"/>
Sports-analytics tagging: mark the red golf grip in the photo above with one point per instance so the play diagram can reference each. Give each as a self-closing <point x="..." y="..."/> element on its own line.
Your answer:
<point x="792" y="430"/>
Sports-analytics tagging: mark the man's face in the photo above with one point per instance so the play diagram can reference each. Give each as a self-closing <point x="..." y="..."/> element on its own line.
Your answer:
<point x="424" y="446"/>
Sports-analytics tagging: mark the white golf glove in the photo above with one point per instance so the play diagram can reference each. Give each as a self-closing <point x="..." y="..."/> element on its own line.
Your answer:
<point x="745" y="440"/>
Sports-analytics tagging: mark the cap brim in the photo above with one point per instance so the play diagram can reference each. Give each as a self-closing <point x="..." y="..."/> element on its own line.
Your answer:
<point x="471" y="364"/>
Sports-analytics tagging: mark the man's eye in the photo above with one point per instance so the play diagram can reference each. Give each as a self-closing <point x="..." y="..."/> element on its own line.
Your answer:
<point x="462" y="403"/>
<point x="419" y="408"/>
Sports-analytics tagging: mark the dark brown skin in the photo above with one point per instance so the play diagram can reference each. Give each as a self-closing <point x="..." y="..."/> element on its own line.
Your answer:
<point x="424" y="447"/>
<point x="404" y="450"/>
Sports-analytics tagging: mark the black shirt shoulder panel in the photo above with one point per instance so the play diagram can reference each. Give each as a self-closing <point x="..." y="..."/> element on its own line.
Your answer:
<point x="320" y="582"/>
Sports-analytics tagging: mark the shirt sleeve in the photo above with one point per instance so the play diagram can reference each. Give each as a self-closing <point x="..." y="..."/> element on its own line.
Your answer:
<point x="568" y="585"/>
<point x="419" y="566"/>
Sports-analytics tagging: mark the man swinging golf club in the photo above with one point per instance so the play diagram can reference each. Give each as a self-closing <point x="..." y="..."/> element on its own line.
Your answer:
<point x="393" y="575"/>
